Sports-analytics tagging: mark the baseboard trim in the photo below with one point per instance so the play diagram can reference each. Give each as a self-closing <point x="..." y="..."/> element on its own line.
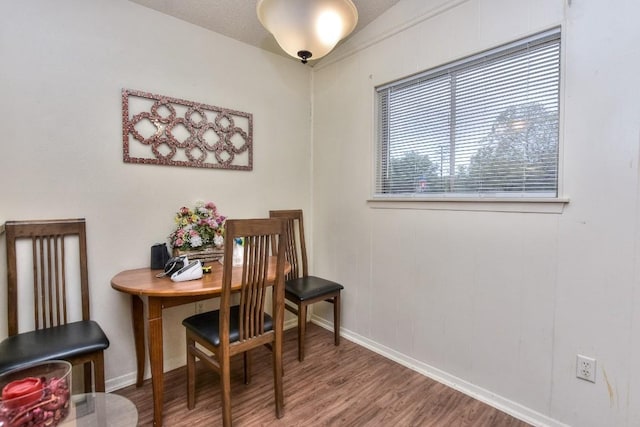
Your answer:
<point x="505" y="405"/>
<point x="510" y="407"/>
<point x="122" y="381"/>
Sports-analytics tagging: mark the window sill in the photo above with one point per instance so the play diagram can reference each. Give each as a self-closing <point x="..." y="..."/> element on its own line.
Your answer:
<point x="524" y="205"/>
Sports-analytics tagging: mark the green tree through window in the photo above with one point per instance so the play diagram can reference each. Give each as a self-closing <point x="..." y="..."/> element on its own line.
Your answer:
<point x="519" y="154"/>
<point x="484" y="126"/>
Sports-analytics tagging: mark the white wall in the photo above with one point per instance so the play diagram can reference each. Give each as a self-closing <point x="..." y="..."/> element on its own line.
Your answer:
<point x="497" y="304"/>
<point x="63" y="65"/>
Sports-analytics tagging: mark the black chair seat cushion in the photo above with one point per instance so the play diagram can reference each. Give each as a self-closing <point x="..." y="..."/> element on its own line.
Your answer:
<point x="207" y="326"/>
<point x="58" y="342"/>
<point x="310" y="287"/>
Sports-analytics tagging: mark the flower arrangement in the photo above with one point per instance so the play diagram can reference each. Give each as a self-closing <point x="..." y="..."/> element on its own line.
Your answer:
<point x="198" y="227"/>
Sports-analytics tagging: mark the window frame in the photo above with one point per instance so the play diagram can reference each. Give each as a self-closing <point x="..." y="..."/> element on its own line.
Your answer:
<point x="520" y="201"/>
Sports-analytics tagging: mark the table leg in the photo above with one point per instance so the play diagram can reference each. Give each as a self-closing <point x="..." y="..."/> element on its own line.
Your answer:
<point x="156" y="357"/>
<point x="137" y="316"/>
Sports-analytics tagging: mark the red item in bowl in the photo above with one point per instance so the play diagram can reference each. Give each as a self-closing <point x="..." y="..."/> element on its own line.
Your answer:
<point x="22" y="392"/>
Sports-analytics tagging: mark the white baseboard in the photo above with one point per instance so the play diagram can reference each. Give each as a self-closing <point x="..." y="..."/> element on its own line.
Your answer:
<point x="122" y="381"/>
<point x="291" y="323"/>
<point x="512" y="408"/>
<point x="505" y="405"/>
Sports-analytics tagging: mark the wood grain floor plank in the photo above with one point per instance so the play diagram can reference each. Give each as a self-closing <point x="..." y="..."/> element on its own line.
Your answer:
<point x="347" y="385"/>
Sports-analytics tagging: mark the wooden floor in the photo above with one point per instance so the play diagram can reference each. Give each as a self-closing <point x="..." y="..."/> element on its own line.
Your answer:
<point x="335" y="386"/>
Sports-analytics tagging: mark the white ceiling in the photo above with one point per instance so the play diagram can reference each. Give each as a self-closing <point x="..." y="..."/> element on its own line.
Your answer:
<point x="237" y="18"/>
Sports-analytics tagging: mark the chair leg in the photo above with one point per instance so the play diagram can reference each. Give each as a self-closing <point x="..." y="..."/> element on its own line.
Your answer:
<point x="336" y="319"/>
<point x="191" y="375"/>
<point x="302" y="328"/>
<point x="277" y="379"/>
<point x="98" y="372"/>
<point x="225" y="382"/>
<point x="88" y="377"/>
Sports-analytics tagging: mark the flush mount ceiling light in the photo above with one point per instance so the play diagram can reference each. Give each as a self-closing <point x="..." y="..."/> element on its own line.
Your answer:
<point x="308" y="28"/>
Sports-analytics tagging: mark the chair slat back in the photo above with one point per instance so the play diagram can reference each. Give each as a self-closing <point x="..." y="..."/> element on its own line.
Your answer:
<point x="50" y="280"/>
<point x="257" y="235"/>
<point x="294" y="243"/>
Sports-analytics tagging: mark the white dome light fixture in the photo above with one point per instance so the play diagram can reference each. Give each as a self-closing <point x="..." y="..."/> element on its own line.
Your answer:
<point x="308" y="28"/>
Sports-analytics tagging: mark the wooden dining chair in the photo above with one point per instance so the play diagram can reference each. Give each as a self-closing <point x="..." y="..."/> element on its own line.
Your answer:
<point x="300" y="288"/>
<point x="236" y="329"/>
<point x="59" y="288"/>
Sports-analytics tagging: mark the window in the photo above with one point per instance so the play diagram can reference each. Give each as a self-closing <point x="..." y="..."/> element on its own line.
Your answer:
<point x="485" y="126"/>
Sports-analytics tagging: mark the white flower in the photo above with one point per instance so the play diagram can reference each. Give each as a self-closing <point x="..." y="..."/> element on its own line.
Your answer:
<point x="196" y="241"/>
<point x="218" y="240"/>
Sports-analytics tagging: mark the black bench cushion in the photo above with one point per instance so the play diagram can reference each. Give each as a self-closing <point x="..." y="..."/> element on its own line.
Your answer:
<point x="207" y="326"/>
<point x="59" y="342"/>
<point x="305" y="288"/>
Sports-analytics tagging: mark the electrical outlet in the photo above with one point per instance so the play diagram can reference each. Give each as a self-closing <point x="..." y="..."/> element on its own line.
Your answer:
<point x="199" y="307"/>
<point x="586" y="368"/>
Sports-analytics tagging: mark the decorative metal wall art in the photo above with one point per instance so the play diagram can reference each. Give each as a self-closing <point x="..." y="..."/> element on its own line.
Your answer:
<point x="160" y="130"/>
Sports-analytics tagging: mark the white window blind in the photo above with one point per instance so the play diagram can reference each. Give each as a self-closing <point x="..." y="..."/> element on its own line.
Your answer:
<point x="486" y="126"/>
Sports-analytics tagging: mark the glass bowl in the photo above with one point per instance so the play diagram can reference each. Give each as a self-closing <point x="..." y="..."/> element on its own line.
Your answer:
<point x="35" y="395"/>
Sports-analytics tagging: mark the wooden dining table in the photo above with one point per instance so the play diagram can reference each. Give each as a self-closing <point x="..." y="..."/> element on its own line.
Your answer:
<point x="159" y="293"/>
